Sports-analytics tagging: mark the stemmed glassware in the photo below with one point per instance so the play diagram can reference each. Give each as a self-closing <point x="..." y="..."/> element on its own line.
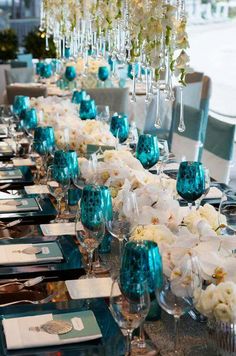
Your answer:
<point x="227" y="210"/>
<point x="90" y="223"/>
<point x="103" y="113"/>
<point x="103" y="74"/>
<point x="180" y="291"/>
<point x="207" y="181"/>
<point x="119" y="127"/>
<point x="190" y="181"/>
<point x="129" y="303"/>
<point x="147" y="151"/>
<point x="142" y="259"/>
<point x="58" y="183"/>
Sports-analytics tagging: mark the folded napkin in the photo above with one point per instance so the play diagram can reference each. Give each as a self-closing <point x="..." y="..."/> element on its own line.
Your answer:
<point x="58" y="229"/>
<point x="22" y="332"/>
<point x="18" y="254"/>
<point x="18" y="205"/>
<point x="90" y="288"/>
<point x="172" y="166"/>
<point x="36" y="189"/>
<point x="10" y="174"/>
<point x="23" y="162"/>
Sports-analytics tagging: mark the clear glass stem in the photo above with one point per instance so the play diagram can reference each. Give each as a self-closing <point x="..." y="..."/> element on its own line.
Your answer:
<point x="181" y="127"/>
<point x="190" y="205"/>
<point x="141" y="341"/>
<point x="129" y="340"/>
<point x="176" y="333"/>
<point x="96" y="263"/>
<point x="59" y="207"/>
<point x="90" y="265"/>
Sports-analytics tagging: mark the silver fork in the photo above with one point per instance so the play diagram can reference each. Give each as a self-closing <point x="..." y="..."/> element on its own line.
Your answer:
<point x="21" y="285"/>
<point x="4" y="226"/>
<point x="35" y="302"/>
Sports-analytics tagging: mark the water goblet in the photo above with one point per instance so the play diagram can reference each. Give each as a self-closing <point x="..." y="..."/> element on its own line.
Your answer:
<point x="46" y="134"/>
<point x="39" y="68"/>
<point x="147" y="151"/>
<point x="180" y="291"/>
<point x="190" y="181"/>
<point x="103" y="74"/>
<point x="78" y="96"/>
<point x="129" y="304"/>
<point x="90" y="223"/>
<point x="58" y="182"/>
<point x="39" y="154"/>
<point x="142" y="259"/>
<point x="227" y="210"/>
<point x="103" y="113"/>
<point x="70" y="73"/>
<point x="88" y="110"/>
<point x="119" y="127"/>
<point x="6" y="114"/>
<point x="46" y="71"/>
<point x="20" y="104"/>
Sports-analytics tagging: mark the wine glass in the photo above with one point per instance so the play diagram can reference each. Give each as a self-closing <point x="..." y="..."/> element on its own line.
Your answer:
<point x="164" y="154"/>
<point x="190" y="181"/>
<point x="227" y="210"/>
<point x="129" y="304"/>
<point x="142" y="260"/>
<point x="103" y="113"/>
<point x="103" y="74"/>
<point x="90" y="231"/>
<point x="147" y="151"/>
<point x="58" y="183"/>
<point x="207" y="182"/>
<point x="119" y="127"/>
<point x="88" y="109"/>
<point x="180" y="291"/>
<point x="70" y="73"/>
<point x="39" y="154"/>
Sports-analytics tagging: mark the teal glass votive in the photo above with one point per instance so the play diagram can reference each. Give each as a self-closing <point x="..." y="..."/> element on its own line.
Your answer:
<point x="88" y="109"/>
<point x="60" y="158"/>
<point x="119" y="127"/>
<point x="67" y="52"/>
<point x="103" y="73"/>
<point x="39" y="68"/>
<point x="91" y="205"/>
<point x="46" y="71"/>
<point x="78" y="96"/>
<point x="70" y="73"/>
<point x="45" y="134"/>
<point x="147" y="151"/>
<point x="21" y="103"/>
<point x="29" y="118"/>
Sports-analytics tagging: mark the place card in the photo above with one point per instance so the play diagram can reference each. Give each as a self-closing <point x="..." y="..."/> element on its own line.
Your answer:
<point x="10" y="174"/>
<point x="95" y="148"/>
<point x="58" y="229"/>
<point x="50" y="329"/>
<point x="17" y="162"/>
<point x="90" y="288"/>
<point x="18" y="205"/>
<point x="22" y="254"/>
<point x="36" y="189"/>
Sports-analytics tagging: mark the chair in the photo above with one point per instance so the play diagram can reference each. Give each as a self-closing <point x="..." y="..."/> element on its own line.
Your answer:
<point x="28" y="58"/>
<point x="218" y="149"/>
<point x="19" y="75"/>
<point x="196" y="95"/>
<point x="116" y="98"/>
<point x="186" y="145"/>
<point x="3" y="67"/>
<point x="18" y="64"/>
<point x="32" y="92"/>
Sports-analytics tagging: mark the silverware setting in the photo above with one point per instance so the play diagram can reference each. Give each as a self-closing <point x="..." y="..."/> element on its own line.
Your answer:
<point x="28" y="301"/>
<point x="21" y="285"/>
<point x="10" y="224"/>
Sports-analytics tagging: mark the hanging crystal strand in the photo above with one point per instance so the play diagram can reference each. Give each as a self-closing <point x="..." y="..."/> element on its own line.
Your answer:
<point x="146" y="85"/>
<point x="181" y="127"/>
<point x="46" y="43"/>
<point x="133" y="96"/>
<point x="42" y="17"/>
<point x="139" y="72"/>
<point x="158" y="122"/>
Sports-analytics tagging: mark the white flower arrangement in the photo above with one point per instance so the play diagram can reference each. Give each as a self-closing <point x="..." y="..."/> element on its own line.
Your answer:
<point x="219" y="302"/>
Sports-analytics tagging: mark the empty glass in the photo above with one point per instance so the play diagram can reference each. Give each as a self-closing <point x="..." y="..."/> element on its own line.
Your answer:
<point x="119" y="127"/>
<point x="21" y="103"/>
<point x="228" y="210"/>
<point x="129" y="304"/>
<point x="29" y="119"/>
<point x="190" y="181"/>
<point x="103" y="73"/>
<point x="46" y="134"/>
<point x="180" y="290"/>
<point x="103" y="113"/>
<point x="58" y="183"/>
<point x="147" y="151"/>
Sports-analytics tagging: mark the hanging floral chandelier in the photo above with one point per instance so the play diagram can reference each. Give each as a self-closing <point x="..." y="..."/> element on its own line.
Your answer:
<point x="151" y="33"/>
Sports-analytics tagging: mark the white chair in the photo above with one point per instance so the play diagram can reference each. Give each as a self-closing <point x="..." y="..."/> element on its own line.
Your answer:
<point x="116" y="98"/>
<point x="19" y="75"/>
<point x="218" y="149"/>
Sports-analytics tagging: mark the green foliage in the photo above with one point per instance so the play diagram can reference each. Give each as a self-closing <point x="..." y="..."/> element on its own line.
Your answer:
<point x="34" y="43"/>
<point x="8" y="44"/>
